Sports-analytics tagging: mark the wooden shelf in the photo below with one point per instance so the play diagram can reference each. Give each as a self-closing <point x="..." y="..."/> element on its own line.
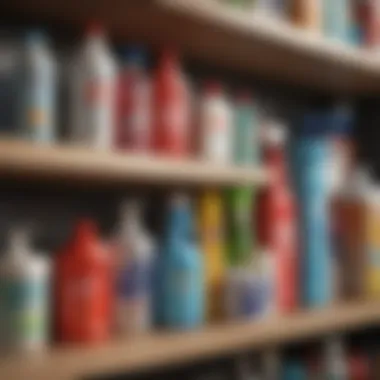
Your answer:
<point x="179" y="348"/>
<point x="233" y="38"/>
<point x="73" y="165"/>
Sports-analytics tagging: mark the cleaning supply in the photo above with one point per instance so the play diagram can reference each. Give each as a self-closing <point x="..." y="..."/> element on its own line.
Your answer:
<point x="171" y="102"/>
<point x="239" y="214"/>
<point x="336" y="19"/>
<point x="246" y="131"/>
<point x="24" y="295"/>
<point x="134" y="103"/>
<point x="335" y="361"/>
<point x="84" y="287"/>
<point x="212" y="241"/>
<point x="181" y="269"/>
<point x="277" y="218"/>
<point x="93" y="80"/>
<point x="215" y="125"/>
<point x="38" y="92"/>
<point x="134" y="272"/>
<point x="307" y="14"/>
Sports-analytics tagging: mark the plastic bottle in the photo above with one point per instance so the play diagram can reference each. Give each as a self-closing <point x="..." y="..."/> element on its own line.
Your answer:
<point x="307" y="14"/>
<point x="134" y="272"/>
<point x="38" y="92"/>
<point x="335" y="360"/>
<point x="336" y="19"/>
<point x="171" y="108"/>
<point x="215" y="129"/>
<point x="212" y="239"/>
<point x="84" y="287"/>
<point x="181" y="270"/>
<point x="134" y="103"/>
<point x="246" y="136"/>
<point x="24" y="296"/>
<point x="93" y="82"/>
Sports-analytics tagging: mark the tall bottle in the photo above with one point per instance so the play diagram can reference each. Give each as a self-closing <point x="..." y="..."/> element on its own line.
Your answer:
<point x="212" y="239"/>
<point x="215" y="125"/>
<point x="24" y="296"/>
<point x="134" y="272"/>
<point x="171" y="108"/>
<point x="134" y="103"/>
<point x="84" y="287"/>
<point x="92" y="92"/>
<point x="38" y="81"/>
<point x="181" y="270"/>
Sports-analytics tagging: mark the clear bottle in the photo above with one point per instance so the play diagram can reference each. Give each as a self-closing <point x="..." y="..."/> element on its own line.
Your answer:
<point x="24" y="296"/>
<point x="92" y="92"/>
<point x="38" y="81"/>
<point x="134" y="272"/>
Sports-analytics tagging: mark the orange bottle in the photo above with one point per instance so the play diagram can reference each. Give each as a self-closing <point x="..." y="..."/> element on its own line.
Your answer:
<point x="307" y="14"/>
<point x="171" y="108"/>
<point x="84" y="287"/>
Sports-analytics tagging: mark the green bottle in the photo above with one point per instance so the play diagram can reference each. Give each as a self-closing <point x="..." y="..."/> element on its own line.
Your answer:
<point x="246" y="132"/>
<point x="240" y="229"/>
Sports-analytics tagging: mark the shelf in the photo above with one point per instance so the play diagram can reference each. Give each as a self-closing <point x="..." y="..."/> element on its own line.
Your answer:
<point x="226" y="37"/>
<point x="21" y="160"/>
<point x="180" y="348"/>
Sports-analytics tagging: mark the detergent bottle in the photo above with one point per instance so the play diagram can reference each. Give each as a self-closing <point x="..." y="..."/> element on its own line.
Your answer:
<point x="92" y="97"/>
<point x="38" y="82"/>
<point x="24" y="298"/>
<point x="84" y="287"/>
<point x="134" y="272"/>
<point x="181" y="270"/>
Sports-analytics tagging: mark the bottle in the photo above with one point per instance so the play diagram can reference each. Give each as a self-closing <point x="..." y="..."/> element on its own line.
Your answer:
<point x="38" y="92"/>
<point x="212" y="239"/>
<point x="215" y="125"/>
<point x="134" y="272"/>
<point x="240" y="235"/>
<point x="246" y="136"/>
<point x="84" y="287"/>
<point x="93" y="81"/>
<point x="277" y="219"/>
<point x="336" y="19"/>
<point x="171" y="108"/>
<point x="307" y="14"/>
<point x="335" y="360"/>
<point x="134" y="124"/>
<point x="181" y="270"/>
<point x="24" y="296"/>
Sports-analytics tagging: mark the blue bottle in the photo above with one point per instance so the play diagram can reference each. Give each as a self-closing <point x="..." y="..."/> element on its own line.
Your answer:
<point x="309" y="155"/>
<point x="180" y="271"/>
<point x="294" y="369"/>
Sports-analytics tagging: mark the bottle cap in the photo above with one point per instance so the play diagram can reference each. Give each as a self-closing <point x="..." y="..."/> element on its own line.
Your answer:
<point x="85" y="231"/>
<point x="36" y="37"/>
<point x="213" y="88"/>
<point x="134" y="55"/>
<point x="95" y="28"/>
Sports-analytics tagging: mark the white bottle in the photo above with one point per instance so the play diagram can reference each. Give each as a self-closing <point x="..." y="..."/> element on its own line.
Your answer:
<point x="134" y="272"/>
<point x="215" y="126"/>
<point x="24" y="296"/>
<point x="38" y="92"/>
<point x="92" y="98"/>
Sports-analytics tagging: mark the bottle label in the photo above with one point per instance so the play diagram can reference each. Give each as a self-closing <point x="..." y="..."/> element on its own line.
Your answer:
<point x="23" y="311"/>
<point x="134" y="280"/>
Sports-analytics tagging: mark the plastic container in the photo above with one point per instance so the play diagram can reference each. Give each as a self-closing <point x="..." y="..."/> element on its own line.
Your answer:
<point x="335" y="360"/>
<point x="307" y="14"/>
<point x="84" y="287"/>
<point x="24" y="296"/>
<point x="211" y="216"/>
<point x="181" y="270"/>
<point x="92" y="82"/>
<point x="215" y="125"/>
<point x="134" y="272"/>
<point x="246" y="132"/>
<point x="337" y="19"/>
<point x="134" y="103"/>
<point x="171" y="99"/>
<point x="38" y="92"/>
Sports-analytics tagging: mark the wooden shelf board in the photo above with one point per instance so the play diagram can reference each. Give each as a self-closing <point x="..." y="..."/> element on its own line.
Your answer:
<point x="178" y="348"/>
<point x="24" y="160"/>
<point x="226" y="37"/>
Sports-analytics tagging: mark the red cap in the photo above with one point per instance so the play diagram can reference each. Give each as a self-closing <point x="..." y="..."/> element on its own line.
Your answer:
<point x="95" y="28"/>
<point x="213" y="87"/>
<point x="85" y="230"/>
<point x="169" y="57"/>
<point x="244" y="96"/>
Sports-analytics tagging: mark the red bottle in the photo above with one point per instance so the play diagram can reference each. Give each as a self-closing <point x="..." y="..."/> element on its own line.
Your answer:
<point x="171" y="108"/>
<point x="134" y="103"/>
<point x="277" y="231"/>
<point x="84" y="287"/>
<point x="359" y="367"/>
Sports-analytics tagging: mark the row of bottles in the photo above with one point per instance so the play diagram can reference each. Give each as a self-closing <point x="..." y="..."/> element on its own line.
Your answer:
<point x="354" y="22"/>
<point x="121" y="106"/>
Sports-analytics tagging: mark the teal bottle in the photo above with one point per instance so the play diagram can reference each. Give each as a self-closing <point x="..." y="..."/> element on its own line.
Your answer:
<point x="181" y="270"/>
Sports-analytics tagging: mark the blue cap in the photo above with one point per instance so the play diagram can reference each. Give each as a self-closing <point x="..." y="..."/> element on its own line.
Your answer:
<point x="134" y="54"/>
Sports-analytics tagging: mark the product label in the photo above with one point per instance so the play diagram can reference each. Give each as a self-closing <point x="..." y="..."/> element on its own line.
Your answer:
<point x="134" y="280"/>
<point x="23" y="311"/>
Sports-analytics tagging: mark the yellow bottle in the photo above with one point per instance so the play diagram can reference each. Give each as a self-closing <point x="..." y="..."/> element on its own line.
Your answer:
<point x="211" y="233"/>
